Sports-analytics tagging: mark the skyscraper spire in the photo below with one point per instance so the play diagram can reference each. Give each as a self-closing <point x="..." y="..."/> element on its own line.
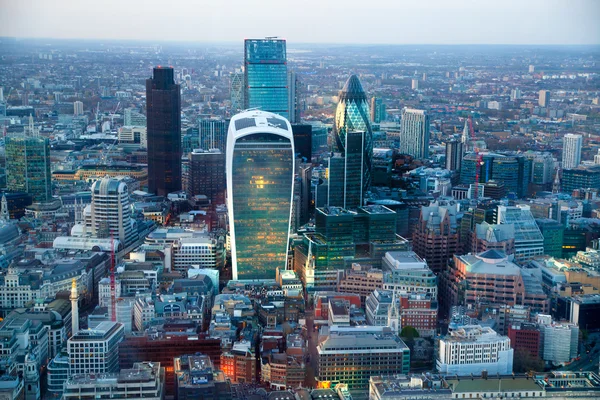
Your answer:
<point x="556" y="183"/>
<point x="74" y="308"/>
<point x="394" y="315"/>
<point x="465" y="135"/>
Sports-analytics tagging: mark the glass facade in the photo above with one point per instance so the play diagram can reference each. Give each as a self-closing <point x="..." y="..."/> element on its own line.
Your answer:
<point x="28" y="166"/>
<point x="266" y="75"/>
<point x="262" y="173"/>
<point x="352" y="114"/>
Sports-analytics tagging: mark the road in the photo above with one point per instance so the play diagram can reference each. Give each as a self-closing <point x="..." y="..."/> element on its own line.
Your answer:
<point x="311" y="367"/>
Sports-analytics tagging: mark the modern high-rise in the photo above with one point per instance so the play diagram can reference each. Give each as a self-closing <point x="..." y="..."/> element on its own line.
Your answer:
<point x="303" y="140"/>
<point x="571" y="157"/>
<point x="206" y="175"/>
<point x="110" y="212"/>
<point x="377" y="110"/>
<point x="28" y="166"/>
<point x="77" y="108"/>
<point x="265" y="74"/>
<point x="347" y="174"/>
<point x="163" y="105"/>
<point x="454" y="155"/>
<point x="352" y="115"/>
<point x="236" y="91"/>
<point x="544" y="98"/>
<point x="260" y="178"/>
<point x="529" y="241"/>
<point x="414" y="133"/>
<point x="294" y="97"/>
<point x="213" y="134"/>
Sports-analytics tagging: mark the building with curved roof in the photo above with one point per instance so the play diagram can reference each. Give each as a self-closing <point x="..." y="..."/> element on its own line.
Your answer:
<point x="352" y="115"/>
<point x="260" y="183"/>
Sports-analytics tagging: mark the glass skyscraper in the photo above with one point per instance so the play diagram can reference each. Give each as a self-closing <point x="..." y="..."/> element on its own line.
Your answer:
<point x="265" y="74"/>
<point x="260" y="181"/>
<point x="163" y="105"/>
<point x="28" y="166"/>
<point x="352" y="115"/>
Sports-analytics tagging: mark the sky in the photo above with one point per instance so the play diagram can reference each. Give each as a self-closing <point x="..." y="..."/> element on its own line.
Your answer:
<point x="309" y="21"/>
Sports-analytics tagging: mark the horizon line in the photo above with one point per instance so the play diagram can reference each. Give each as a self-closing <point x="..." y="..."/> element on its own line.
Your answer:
<point x="174" y="41"/>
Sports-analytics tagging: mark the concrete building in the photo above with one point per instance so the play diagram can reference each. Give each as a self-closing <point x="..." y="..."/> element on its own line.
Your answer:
<point x="414" y="133"/>
<point x="406" y="272"/>
<point x="361" y="280"/>
<point x="499" y="237"/>
<point x="560" y="341"/>
<point x="571" y="157"/>
<point x="133" y="135"/>
<point x="96" y="351"/>
<point x="351" y="355"/>
<point x="544" y="98"/>
<point x="471" y="349"/>
<point x="436" y="237"/>
<point x="197" y="379"/>
<point x="146" y="380"/>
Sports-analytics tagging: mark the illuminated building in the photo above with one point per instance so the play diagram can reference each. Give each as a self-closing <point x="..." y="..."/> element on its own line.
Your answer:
<point x="260" y="178"/>
<point x="239" y="363"/>
<point x="351" y="355"/>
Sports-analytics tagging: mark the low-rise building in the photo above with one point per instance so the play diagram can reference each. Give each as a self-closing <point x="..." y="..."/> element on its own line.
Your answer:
<point x="405" y="271"/>
<point x="361" y="280"/>
<point x="197" y="379"/>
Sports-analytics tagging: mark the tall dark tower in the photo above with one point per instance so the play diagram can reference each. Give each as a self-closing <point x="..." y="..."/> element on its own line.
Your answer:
<point x="163" y="103"/>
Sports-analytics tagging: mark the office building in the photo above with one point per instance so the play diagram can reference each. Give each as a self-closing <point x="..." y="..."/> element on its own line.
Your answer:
<point x="560" y="341"/>
<point x="347" y="174"/>
<point x="436" y="236"/>
<point x="583" y="176"/>
<point x="544" y="98"/>
<point x="352" y="115"/>
<point x="197" y="379"/>
<point x="414" y="84"/>
<point x="213" y="134"/>
<point x="265" y="75"/>
<point x="378" y="111"/>
<point x="294" y="97"/>
<point x="303" y="140"/>
<point x="77" y="108"/>
<point x="571" y="157"/>
<point x="529" y="241"/>
<point x="406" y="272"/>
<point x="498" y="237"/>
<point x="553" y="232"/>
<point x="239" y="363"/>
<point x="145" y="381"/>
<point x="454" y="155"/>
<point x="133" y="135"/>
<point x="131" y="117"/>
<point x="471" y="349"/>
<point x="260" y="178"/>
<point x="28" y="166"/>
<point x="361" y="280"/>
<point x="163" y="105"/>
<point x="525" y="337"/>
<point x="515" y="94"/>
<point x="351" y="355"/>
<point x="492" y="278"/>
<point x="96" y="351"/>
<point x="110" y="213"/>
<point x="206" y="175"/>
<point x="414" y="133"/>
<point x="236" y="91"/>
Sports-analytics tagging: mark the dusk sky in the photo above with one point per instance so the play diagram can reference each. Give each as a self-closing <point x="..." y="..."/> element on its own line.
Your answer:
<point x="309" y="21"/>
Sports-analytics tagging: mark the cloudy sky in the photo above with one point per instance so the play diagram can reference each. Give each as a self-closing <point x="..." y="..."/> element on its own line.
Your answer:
<point x="309" y="21"/>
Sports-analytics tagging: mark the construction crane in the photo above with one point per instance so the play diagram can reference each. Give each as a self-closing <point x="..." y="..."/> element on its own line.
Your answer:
<point x="478" y="157"/>
<point x="114" y="113"/>
<point x="113" y="286"/>
<point x="97" y="115"/>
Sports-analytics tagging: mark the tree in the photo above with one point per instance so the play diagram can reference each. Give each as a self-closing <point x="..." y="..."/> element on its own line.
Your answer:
<point x="409" y="333"/>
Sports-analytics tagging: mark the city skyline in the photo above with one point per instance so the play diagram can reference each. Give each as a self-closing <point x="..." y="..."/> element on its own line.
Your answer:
<point x="429" y="22"/>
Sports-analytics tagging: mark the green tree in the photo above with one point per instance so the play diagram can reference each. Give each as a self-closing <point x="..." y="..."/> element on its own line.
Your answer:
<point x="409" y="333"/>
<point x="523" y="361"/>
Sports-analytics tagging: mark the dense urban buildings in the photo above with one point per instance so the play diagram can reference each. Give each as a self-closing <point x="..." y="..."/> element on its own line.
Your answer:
<point x="163" y="106"/>
<point x="260" y="176"/>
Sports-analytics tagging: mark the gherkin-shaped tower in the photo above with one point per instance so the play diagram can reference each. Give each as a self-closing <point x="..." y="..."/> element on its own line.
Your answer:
<point x="352" y="115"/>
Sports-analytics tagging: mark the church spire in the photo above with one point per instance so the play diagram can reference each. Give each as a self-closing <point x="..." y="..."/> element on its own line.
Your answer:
<point x="4" y="215"/>
<point x="556" y="183"/>
<point x="394" y="315"/>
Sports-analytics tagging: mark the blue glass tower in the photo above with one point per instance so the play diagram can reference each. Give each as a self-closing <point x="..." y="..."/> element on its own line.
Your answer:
<point x="352" y="115"/>
<point x="265" y="75"/>
<point x="260" y="183"/>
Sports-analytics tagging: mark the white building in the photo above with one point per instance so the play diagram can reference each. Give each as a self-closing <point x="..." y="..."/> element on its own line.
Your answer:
<point x="144" y="381"/>
<point x="104" y="292"/>
<point x="96" y="351"/>
<point x="143" y="312"/>
<point x="110" y="212"/>
<point x="559" y="340"/>
<point x="472" y="349"/>
<point x="77" y="108"/>
<point x="414" y="133"/>
<point x="406" y="272"/>
<point x="200" y="252"/>
<point x="133" y="135"/>
<point x="571" y="157"/>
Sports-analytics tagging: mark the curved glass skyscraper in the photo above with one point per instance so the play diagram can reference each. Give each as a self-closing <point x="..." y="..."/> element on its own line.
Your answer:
<point x="260" y="183"/>
<point x="352" y="115"/>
